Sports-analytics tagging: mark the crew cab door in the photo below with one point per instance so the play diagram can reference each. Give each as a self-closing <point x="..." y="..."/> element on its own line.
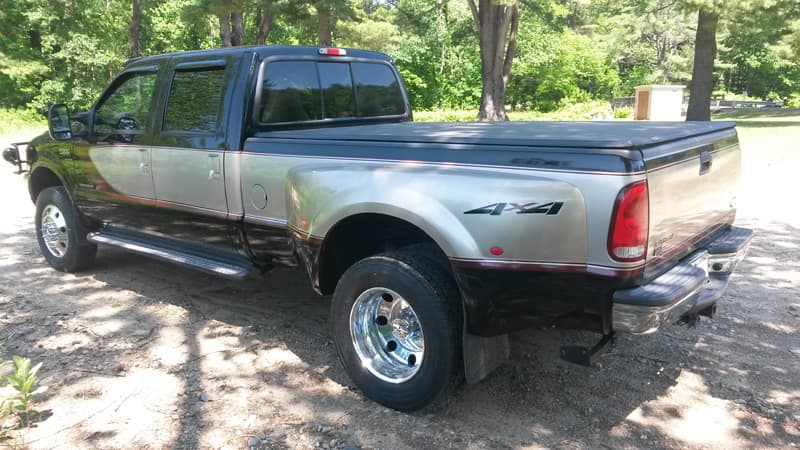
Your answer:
<point x="114" y="158"/>
<point x="188" y="154"/>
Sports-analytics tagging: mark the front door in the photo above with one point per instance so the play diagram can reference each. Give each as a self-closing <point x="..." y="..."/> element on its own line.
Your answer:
<point x="114" y="158"/>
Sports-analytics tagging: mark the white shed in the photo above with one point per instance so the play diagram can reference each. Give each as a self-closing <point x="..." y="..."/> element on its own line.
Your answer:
<point x="658" y="102"/>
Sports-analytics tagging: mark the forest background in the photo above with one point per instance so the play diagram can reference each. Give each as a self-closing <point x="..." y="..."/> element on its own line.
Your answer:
<point x="561" y="54"/>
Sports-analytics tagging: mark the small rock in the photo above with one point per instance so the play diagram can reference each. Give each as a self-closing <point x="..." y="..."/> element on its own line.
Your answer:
<point x="643" y="437"/>
<point x="326" y="430"/>
<point x="141" y="332"/>
<point x="350" y="446"/>
<point x="326" y="446"/>
<point x="253" y="442"/>
<point x="794" y="307"/>
<point x="204" y="397"/>
<point x="333" y="443"/>
<point x="796" y="351"/>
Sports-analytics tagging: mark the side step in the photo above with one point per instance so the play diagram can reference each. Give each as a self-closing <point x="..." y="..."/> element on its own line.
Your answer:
<point x="192" y="256"/>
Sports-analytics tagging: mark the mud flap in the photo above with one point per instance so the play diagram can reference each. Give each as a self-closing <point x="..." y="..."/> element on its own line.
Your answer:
<point x="483" y="354"/>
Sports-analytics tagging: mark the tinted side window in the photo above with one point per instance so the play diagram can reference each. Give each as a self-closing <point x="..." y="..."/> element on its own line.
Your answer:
<point x="126" y="111"/>
<point x="337" y="90"/>
<point x="291" y="92"/>
<point x="377" y="90"/>
<point x="195" y="100"/>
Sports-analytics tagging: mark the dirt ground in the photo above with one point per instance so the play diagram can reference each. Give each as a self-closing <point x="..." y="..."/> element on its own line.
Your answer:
<point x="141" y="354"/>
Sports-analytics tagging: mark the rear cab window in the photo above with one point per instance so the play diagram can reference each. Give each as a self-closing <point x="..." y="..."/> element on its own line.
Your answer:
<point x="298" y="92"/>
<point x="195" y="100"/>
<point x="193" y="106"/>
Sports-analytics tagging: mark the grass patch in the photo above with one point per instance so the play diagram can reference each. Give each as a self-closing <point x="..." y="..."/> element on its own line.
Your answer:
<point x="20" y="124"/>
<point x="768" y="118"/>
<point x="750" y="114"/>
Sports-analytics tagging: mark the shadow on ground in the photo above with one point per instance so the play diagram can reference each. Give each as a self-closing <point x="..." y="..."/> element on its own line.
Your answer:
<point x="133" y="344"/>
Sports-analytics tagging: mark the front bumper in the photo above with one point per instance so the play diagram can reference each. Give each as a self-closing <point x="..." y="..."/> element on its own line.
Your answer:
<point x="693" y="285"/>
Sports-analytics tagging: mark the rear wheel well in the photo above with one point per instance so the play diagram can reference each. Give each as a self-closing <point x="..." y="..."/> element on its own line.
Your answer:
<point x="41" y="179"/>
<point x="363" y="235"/>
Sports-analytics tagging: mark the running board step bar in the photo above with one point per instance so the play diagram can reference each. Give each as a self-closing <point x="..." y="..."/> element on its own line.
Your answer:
<point x="233" y="268"/>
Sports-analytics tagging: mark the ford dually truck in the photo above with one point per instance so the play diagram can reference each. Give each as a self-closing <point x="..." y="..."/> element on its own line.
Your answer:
<point x="434" y="239"/>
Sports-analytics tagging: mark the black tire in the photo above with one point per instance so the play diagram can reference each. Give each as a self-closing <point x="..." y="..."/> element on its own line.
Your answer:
<point x="77" y="254"/>
<point x="434" y="298"/>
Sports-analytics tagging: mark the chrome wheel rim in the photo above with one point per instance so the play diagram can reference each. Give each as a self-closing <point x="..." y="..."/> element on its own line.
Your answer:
<point x="54" y="230"/>
<point x="387" y="335"/>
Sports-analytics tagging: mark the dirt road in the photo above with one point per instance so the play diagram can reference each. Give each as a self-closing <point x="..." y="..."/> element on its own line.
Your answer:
<point x="141" y="354"/>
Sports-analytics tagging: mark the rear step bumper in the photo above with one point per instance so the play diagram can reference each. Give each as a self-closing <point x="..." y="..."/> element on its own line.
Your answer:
<point x="692" y="287"/>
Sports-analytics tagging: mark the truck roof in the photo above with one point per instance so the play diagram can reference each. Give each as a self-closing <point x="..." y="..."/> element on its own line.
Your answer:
<point x="596" y="134"/>
<point x="262" y="50"/>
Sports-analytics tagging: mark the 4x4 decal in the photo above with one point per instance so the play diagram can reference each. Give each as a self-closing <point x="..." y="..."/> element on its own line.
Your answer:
<point x="495" y="209"/>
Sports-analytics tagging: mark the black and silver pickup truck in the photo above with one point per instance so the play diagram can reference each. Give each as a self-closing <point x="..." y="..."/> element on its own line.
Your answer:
<point x="435" y="240"/>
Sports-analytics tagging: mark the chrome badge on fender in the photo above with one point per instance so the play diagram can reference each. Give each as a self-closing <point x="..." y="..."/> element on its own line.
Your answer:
<point x="495" y="209"/>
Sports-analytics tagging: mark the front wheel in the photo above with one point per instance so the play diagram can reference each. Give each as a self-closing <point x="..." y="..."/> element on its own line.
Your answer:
<point x="397" y="327"/>
<point x="61" y="237"/>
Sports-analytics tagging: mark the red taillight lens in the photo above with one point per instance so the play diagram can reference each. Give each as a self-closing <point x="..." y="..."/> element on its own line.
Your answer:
<point x="627" y="236"/>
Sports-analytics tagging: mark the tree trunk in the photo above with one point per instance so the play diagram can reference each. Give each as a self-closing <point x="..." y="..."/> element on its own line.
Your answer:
<point x="324" y="19"/>
<point x="264" y="26"/>
<point x="225" y="29"/>
<point x="705" y="50"/>
<point x="497" y="25"/>
<point x="135" y="29"/>
<point x="237" y="28"/>
<point x="35" y="40"/>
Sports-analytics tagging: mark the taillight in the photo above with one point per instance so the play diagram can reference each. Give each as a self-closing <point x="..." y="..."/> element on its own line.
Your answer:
<point x="332" y="51"/>
<point x="627" y="235"/>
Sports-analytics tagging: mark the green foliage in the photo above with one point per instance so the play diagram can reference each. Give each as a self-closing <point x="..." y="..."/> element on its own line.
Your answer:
<point x="760" y="53"/>
<point x="793" y="101"/>
<point x="23" y="381"/>
<point x="14" y="122"/>
<point x="625" y="112"/>
<point x="592" y="110"/>
<point x="567" y="52"/>
<point x="576" y="72"/>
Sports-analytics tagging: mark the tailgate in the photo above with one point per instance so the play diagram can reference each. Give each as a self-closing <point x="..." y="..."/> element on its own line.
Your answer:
<point x="691" y="183"/>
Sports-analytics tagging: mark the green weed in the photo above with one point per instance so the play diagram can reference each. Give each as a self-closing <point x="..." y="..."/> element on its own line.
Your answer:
<point x="24" y="382"/>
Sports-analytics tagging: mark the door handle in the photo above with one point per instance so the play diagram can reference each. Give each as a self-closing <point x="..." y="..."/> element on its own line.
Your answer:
<point x="213" y="166"/>
<point x="144" y="163"/>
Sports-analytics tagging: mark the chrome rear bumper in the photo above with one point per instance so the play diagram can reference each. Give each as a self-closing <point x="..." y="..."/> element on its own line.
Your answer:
<point x="693" y="286"/>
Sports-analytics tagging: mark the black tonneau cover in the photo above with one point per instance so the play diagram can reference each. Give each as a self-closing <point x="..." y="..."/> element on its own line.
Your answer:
<point x="611" y="135"/>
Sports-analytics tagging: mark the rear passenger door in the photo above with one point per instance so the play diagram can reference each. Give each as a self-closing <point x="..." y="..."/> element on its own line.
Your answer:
<point x="188" y="152"/>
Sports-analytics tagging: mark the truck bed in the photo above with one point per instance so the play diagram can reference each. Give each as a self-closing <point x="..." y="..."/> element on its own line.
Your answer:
<point x="691" y="167"/>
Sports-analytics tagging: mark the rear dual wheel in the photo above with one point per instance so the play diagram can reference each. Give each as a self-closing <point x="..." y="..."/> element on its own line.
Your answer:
<point x="397" y="327"/>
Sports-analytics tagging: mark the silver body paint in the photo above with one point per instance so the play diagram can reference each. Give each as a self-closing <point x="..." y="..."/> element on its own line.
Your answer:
<point x="126" y="168"/>
<point x="312" y="194"/>
<point x="191" y="177"/>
